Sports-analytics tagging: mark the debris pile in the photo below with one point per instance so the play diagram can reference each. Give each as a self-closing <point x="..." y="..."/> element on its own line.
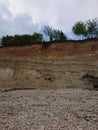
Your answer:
<point x="90" y="81"/>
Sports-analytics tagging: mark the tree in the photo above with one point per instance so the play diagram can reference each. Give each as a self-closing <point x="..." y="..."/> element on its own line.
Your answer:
<point x="62" y="36"/>
<point x="21" y="40"/>
<point x="79" y="29"/>
<point x="49" y="32"/>
<point x="37" y="37"/>
<point x="7" y="41"/>
<point x="89" y="29"/>
<point x="96" y="20"/>
<point x="54" y="34"/>
<point x="97" y="34"/>
<point x="92" y="28"/>
<point x="58" y="35"/>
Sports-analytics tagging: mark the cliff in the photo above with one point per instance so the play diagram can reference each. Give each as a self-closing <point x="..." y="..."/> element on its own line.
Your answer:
<point x="55" y="65"/>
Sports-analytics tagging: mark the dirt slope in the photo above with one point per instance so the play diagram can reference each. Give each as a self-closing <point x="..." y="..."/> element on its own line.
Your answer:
<point x="53" y="49"/>
<point x="58" y="65"/>
<point x="56" y="100"/>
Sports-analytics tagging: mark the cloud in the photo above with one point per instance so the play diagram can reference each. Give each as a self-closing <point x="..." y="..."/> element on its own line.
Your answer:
<point x="4" y="11"/>
<point x="61" y="14"/>
<point x="58" y="13"/>
<point x="19" y="24"/>
<point x="23" y="24"/>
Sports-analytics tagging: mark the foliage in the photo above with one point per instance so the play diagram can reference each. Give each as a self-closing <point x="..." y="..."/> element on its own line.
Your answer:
<point x="79" y="29"/>
<point x="62" y="36"/>
<point x="58" y="35"/>
<point x="54" y="34"/>
<point x="20" y="40"/>
<point x="49" y="32"/>
<point x="6" y="41"/>
<point x="37" y="37"/>
<point x="91" y="26"/>
<point x="88" y="29"/>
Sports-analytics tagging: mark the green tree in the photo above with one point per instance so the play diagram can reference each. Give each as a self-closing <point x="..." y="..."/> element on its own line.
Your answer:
<point x="37" y="37"/>
<point x="17" y="40"/>
<point x="54" y="34"/>
<point x="62" y="36"/>
<point x="49" y="32"/>
<point x="26" y="39"/>
<point x="7" y="41"/>
<point x="92" y="28"/>
<point x="89" y="29"/>
<point x="21" y="40"/>
<point x="96" y="34"/>
<point x="58" y="35"/>
<point x="79" y="29"/>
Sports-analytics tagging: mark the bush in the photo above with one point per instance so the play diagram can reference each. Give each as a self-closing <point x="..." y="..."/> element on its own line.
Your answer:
<point x="20" y="40"/>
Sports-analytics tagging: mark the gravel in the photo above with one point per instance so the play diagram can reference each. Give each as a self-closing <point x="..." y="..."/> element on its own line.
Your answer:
<point x="61" y="109"/>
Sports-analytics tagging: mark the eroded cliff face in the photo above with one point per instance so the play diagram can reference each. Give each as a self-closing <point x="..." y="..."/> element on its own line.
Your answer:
<point x="59" y="65"/>
<point x="46" y="73"/>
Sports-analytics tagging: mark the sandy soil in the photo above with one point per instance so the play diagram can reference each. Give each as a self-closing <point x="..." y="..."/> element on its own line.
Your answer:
<point x="69" y="107"/>
<point x="61" y="109"/>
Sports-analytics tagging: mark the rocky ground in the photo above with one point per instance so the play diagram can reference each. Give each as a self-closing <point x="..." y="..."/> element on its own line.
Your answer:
<point x="61" y="109"/>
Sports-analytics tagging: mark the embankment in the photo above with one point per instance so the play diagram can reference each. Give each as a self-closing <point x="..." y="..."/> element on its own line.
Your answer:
<point x="57" y="65"/>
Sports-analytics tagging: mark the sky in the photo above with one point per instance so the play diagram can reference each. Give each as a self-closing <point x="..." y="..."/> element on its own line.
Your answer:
<point x="28" y="16"/>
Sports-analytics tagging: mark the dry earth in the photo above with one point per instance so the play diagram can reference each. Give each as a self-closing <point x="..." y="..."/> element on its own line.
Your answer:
<point x="46" y="72"/>
<point x="56" y="99"/>
<point x="61" y="109"/>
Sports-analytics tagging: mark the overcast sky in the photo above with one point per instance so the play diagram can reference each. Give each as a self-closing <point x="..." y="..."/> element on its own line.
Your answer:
<point x="27" y="16"/>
